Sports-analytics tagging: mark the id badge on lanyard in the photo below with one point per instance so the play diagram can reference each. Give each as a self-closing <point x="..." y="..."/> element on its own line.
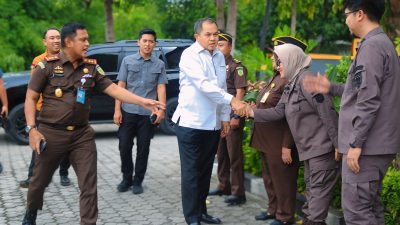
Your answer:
<point x="81" y="93"/>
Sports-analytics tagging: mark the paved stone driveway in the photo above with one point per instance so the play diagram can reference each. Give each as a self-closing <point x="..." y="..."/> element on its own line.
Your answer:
<point x="159" y="204"/>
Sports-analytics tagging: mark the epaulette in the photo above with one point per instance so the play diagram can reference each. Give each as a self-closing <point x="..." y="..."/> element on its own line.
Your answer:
<point x="90" y="61"/>
<point x="236" y="61"/>
<point x="41" y="64"/>
<point x="52" y="58"/>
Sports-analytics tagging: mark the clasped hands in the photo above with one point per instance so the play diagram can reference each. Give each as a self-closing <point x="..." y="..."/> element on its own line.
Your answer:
<point x="241" y="108"/>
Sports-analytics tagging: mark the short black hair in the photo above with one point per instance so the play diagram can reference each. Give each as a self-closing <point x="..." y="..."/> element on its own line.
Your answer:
<point x="373" y="8"/>
<point x="198" y="26"/>
<point x="49" y="29"/>
<point x="69" y="30"/>
<point x="148" y="31"/>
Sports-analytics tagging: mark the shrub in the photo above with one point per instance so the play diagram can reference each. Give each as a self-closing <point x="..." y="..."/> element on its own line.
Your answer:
<point x="391" y="196"/>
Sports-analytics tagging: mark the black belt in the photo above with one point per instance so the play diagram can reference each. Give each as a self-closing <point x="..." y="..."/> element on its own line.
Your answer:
<point x="64" y="127"/>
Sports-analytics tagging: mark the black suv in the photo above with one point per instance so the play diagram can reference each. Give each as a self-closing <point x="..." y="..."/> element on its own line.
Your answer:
<point x="109" y="56"/>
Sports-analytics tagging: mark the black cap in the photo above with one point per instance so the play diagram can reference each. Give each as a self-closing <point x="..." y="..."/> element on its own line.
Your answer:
<point x="289" y="40"/>
<point x="222" y="36"/>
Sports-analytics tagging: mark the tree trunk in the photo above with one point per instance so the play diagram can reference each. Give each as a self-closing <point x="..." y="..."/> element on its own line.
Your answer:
<point x="231" y="21"/>
<point x="265" y="26"/>
<point x="110" y="37"/>
<point x="220" y="14"/>
<point x="293" y="18"/>
<point x="393" y="22"/>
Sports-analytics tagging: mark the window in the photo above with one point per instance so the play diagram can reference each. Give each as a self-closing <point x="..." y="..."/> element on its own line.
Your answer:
<point x="107" y="61"/>
<point x="173" y="57"/>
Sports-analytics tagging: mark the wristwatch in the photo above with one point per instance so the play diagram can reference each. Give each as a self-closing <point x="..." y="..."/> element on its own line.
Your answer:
<point x="28" y="128"/>
<point x="236" y="116"/>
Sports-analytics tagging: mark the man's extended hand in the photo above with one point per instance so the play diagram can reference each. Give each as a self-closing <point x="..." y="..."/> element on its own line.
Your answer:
<point x="160" y="116"/>
<point x="319" y="83"/>
<point x="352" y="159"/>
<point x="152" y="105"/>
<point x="238" y="106"/>
<point x="34" y="140"/>
<point x="225" y="129"/>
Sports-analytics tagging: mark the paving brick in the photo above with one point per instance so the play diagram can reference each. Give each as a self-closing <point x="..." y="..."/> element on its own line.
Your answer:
<point x="160" y="204"/>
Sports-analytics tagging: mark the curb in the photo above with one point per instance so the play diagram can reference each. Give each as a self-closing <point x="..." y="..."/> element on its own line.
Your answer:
<point x="255" y="185"/>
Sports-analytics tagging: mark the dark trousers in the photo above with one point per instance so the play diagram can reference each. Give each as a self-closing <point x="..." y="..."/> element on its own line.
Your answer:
<point x="197" y="150"/>
<point x="132" y="126"/>
<point x="320" y="176"/>
<point x="280" y="181"/>
<point x="230" y="162"/>
<point x="81" y="148"/>
<point x="64" y="166"/>
<point x="361" y="202"/>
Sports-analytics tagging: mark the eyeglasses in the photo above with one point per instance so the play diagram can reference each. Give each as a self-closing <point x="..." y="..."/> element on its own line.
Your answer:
<point x="346" y="14"/>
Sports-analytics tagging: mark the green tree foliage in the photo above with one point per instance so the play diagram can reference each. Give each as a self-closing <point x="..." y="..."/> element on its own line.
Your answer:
<point x="22" y="23"/>
<point x="179" y="16"/>
<point x="391" y="196"/>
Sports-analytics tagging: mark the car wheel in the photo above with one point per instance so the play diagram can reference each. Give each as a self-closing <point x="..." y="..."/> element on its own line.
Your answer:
<point x="166" y="124"/>
<point x="17" y="124"/>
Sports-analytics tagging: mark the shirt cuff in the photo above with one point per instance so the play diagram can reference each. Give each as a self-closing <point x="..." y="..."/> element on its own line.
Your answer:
<point x="228" y="98"/>
<point x="355" y="142"/>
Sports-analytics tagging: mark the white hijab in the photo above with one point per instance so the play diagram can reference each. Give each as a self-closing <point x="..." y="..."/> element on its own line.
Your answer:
<point x="293" y="60"/>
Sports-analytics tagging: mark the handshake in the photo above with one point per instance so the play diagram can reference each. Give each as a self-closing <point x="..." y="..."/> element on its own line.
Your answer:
<point x="241" y="108"/>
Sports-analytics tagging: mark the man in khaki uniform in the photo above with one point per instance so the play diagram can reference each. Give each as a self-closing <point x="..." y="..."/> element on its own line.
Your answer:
<point x="51" y="40"/>
<point x="66" y="82"/>
<point x="369" y="118"/>
<point x="230" y="153"/>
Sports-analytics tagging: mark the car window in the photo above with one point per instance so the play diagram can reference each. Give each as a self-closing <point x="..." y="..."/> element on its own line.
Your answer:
<point x="173" y="57"/>
<point x="107" y="61"/>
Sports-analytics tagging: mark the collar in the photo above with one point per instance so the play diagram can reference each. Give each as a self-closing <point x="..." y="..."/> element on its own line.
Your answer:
<point x="198" y="48"/>
<point x="138" y="57"/>
<point x="370" y="34"/>
<point x="228" y="59"/>
<point x="64" y="59"/>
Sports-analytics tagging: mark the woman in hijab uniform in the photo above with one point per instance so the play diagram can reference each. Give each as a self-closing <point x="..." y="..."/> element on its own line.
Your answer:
<point x="313" y="122"/>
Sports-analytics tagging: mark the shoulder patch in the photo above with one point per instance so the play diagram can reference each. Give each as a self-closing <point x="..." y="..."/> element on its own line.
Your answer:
<point x="41" y="65"/>
<point x="100" y="70"/>
<point x="51" y="58"/>
<point x="319" y="98"/>
<point x="240" y="70"/>
<point x="90" y="61"/>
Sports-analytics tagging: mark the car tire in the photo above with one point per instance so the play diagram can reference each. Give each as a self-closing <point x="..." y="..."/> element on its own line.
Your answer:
<point x="16" y="125"/>
<point x="166" y="125"/>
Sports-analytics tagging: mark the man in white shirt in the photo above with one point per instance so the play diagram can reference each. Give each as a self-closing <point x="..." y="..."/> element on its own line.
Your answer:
<point x="203" y="109"/>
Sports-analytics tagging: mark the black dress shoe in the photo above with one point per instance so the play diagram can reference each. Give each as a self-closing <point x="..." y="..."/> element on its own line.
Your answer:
<point x="264" y="216"/>
<point x="235" y="200"/>
<point x="1" y="168"/>
<point x="25" y="183"/>
<point x="137" y="189"/>
<point x="215" y="191"/>
<point x="30" y="217"/>
<point x="124" y="185"/>
<point x="65" y="181"/>
<point x="209" y="219"/>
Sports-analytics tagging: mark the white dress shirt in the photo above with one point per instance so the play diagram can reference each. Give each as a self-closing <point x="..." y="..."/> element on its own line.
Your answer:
<point x="203" y="100"/>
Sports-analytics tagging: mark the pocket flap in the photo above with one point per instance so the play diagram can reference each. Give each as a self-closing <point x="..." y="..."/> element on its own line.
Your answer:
<point x="362" y="176"/>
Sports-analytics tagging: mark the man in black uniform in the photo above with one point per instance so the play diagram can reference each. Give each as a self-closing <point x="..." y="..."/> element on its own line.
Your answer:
<point x="66" y="82"/>
<point x="230" y="152"/>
